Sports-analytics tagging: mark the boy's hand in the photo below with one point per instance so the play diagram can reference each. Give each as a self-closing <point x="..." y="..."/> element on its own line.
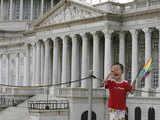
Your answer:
<point x="133" y="86"/>
<point x="109" y="74"/>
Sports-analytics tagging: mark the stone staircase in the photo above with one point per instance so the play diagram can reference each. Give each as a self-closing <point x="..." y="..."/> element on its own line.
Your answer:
<point x="20" y="112"/>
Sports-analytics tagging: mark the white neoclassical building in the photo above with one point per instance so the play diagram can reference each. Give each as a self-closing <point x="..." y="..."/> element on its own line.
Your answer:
<point x="46" y="43"/>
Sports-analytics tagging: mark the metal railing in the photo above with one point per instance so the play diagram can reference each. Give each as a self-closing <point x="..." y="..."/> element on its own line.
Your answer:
<point x="48" y="105"/>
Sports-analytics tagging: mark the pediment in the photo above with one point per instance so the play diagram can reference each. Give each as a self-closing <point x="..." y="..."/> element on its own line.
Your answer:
<point x="68" y="11"/>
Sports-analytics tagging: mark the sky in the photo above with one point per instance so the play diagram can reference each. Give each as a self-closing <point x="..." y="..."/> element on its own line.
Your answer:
<point x="121" y="1"/>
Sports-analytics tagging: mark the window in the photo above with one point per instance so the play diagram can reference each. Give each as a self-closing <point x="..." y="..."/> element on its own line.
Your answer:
<point x="155" y="44"/>
<point x="151" y="114"/>
<point x="142" y="83"/>
<point x="47" y="5"/>
<point x="154" y="78"/>
<point x="36" y="8"/>
<point x="26" y="9"/>
<point x="137" y="113"/>
<point x="141" y="44"/>
<point x="115" y="47"/>
<point x="84" y="116"/>
<point x="16" y="9"/>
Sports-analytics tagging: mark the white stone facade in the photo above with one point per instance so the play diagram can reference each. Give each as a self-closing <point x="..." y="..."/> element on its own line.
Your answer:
<point x="69" y="40"/>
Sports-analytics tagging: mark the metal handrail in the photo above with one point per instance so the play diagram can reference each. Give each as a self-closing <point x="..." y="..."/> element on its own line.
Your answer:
<point x="48" y="105"/>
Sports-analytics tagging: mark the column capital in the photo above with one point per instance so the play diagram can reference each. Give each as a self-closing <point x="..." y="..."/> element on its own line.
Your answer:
<point x="38" y="43"/>
<point x="66" y="37"/>
<point x="84" y="37"/>
<point x="56" y="42"/>
<point x="158" y="28"/>
<point x="147" y="30"/>
<point x="75" y="36"/>
<point x="122" y="32"/>
<point x="84" y="34"/>
<point x="46" y="43"/>
<point x="33" y="43"/>
<point x="94" y="33"/>
<point x="26" y="45"/>
<point x="66" y="42"/>
<point x="106" y="31"/>
<point x="134" y="32"/>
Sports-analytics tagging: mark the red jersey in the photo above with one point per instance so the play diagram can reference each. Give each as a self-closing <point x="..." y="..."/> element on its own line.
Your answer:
<point x="117" y="93"/>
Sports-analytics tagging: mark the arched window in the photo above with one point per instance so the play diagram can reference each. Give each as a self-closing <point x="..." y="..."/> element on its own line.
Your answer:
<point x="137" y="113"/>
<point x="84" y="116"/>
<point x="151" y="114"/>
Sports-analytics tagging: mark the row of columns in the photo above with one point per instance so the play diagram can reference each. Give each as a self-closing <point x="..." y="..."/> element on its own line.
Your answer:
<point x="75" y="58"/>
<point x="75" y="66"/>
<point x="147" y="32"/>
<point x="18" y="68"/>
<point x="47" y="68"/>
<point x="21" y="9"/>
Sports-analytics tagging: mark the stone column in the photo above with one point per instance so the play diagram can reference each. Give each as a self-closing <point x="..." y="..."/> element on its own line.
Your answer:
<point x="66" y="62"/>
<point x="122" y="51"/>
<point x="159" y="61"/>
<point x="31" y="14"/>
<point x="85" y="60"/>
<point x="1" y="69"/>
<point x="46" y="65"/>
<point x="56" y="62"/>
<point x="38" y="63"/>
<point x="96" y="60"/>
<point x="134" y="69"/>
<point x="42" y="63"/>
<point x="52" y="4"/>
<point x="2" y="16"/>
<point x="7" y="70"/>
<point x="27" y="80"/>
<point x="34" y="64"/>
<point x="21" y="10"/>
<point x="42" y="6"/>
<point x="147" y="32"/>
<point x="75" y="74"/>
<point x="108" y="53"/>
<point x="11" y="10"/>
<point x="17" y="69"/>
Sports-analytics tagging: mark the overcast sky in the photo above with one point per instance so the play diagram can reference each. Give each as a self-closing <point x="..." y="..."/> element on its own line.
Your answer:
<point x="121" y="1"/>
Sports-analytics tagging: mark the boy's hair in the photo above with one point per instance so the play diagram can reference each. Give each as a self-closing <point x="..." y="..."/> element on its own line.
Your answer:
<point x="121" y="66"/>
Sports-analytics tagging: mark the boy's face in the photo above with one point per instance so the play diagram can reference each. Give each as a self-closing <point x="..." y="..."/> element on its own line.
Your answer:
<point x="116" y="72"/>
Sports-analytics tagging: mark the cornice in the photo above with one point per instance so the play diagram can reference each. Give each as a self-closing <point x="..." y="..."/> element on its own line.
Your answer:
<point x="108" y="16"/>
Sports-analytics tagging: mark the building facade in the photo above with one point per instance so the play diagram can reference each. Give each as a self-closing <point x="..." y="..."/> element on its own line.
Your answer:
<point x="49" y="43"/>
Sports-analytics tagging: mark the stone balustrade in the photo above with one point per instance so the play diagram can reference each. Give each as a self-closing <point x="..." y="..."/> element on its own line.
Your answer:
<point x="140" y="6"/>
<point x="79" y="92"/>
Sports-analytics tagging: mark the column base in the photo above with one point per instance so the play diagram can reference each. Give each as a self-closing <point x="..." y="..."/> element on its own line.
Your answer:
<point x="53" y="91"/>
<point x="138" y="92"/>
<point x="158" y="92"/>
<point x="148" y="92"/>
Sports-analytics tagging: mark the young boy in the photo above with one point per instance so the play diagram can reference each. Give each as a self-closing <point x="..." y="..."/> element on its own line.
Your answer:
<point x="118" y="90"/>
